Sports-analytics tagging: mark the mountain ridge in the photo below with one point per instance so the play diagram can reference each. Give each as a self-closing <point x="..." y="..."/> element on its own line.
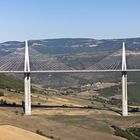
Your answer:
<point x="72" y="45"/>
<point x="75" y="53"/>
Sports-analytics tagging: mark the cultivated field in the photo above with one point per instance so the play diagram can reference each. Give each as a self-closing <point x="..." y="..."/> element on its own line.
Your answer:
<point x="62" y="117"/>
<point x="8" y="132"/>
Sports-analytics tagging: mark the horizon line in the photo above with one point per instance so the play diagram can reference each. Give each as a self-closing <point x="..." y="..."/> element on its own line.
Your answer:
<point x="57" y="38"/>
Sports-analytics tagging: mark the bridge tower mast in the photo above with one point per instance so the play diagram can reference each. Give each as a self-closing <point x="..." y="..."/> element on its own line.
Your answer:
<point x="27" y="85"/>
<point x="124" y="83"/>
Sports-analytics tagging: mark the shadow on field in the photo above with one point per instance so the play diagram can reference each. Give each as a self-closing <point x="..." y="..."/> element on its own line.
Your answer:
<point x="14" y="105"/>
<point x="56" y="107"/>
<point x="47" y="106"/>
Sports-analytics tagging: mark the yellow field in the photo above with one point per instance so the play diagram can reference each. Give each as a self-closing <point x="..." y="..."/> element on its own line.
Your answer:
<point x="55" y="120"/>
<point x="8" y="132"/>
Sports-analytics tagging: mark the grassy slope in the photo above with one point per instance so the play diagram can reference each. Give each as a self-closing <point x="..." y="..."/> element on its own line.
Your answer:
<point x="133" y="92"/>
<point x="133" y="89"/>
<point x="10" y="82"/>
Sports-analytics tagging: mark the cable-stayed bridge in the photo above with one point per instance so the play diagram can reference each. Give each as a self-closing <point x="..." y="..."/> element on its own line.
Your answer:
<point x="29" y="61"/>
<point x="14" y="63"/>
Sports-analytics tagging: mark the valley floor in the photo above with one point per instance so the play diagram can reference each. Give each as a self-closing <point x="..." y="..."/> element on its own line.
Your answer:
<point x="58" y="124"/>
<point x="63" y="117"/>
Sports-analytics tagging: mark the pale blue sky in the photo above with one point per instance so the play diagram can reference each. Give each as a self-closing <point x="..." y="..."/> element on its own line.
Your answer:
<point x="42" y="19"/>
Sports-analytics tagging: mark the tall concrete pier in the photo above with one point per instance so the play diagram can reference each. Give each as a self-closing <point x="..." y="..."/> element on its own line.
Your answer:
<point x="124" y="84"/>
<point x="27" y="85"/>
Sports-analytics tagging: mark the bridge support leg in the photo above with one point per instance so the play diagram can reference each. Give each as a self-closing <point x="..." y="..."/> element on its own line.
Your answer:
<point x="27" y="92"/>
<point x="124" y="94"/>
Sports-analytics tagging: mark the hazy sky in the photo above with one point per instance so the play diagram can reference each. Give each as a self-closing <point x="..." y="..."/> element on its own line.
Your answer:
<point x="36" y="19"/>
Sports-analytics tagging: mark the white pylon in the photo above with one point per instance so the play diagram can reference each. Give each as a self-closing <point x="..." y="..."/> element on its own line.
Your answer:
<point x="26" y="63"/>
<point x="124" y="83"/>
<point x="27" y="85"/>
<point x="123" y="58"/>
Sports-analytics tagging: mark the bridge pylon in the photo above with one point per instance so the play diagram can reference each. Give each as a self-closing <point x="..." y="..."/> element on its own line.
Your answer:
<point x="124" y="83"/>
<point x="27" y="82"/>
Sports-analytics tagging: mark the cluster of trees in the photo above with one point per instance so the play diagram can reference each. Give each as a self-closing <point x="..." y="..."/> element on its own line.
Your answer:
<point x="1" y="93"/>
<point x="111" y="101"/>
<point x="129" y="134"/>
<point x="39" y="132"/>
<point x="4" y="102"/>
<point x="7" y="82"/>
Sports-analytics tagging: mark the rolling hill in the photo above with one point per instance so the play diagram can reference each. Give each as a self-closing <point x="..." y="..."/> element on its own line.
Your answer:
<point x="100" y="108"/>
<point x="70" y="53"/>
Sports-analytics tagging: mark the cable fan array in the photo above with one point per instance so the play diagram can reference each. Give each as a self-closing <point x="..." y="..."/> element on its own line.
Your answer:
<point x="43" y="62"/>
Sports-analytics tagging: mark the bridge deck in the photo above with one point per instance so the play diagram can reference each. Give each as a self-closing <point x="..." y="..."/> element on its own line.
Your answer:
<point x="70" y="71"/>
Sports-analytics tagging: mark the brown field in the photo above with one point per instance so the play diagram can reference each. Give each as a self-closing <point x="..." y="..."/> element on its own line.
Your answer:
<point x="60" y="123"/>
<point x="8" y="132"/>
